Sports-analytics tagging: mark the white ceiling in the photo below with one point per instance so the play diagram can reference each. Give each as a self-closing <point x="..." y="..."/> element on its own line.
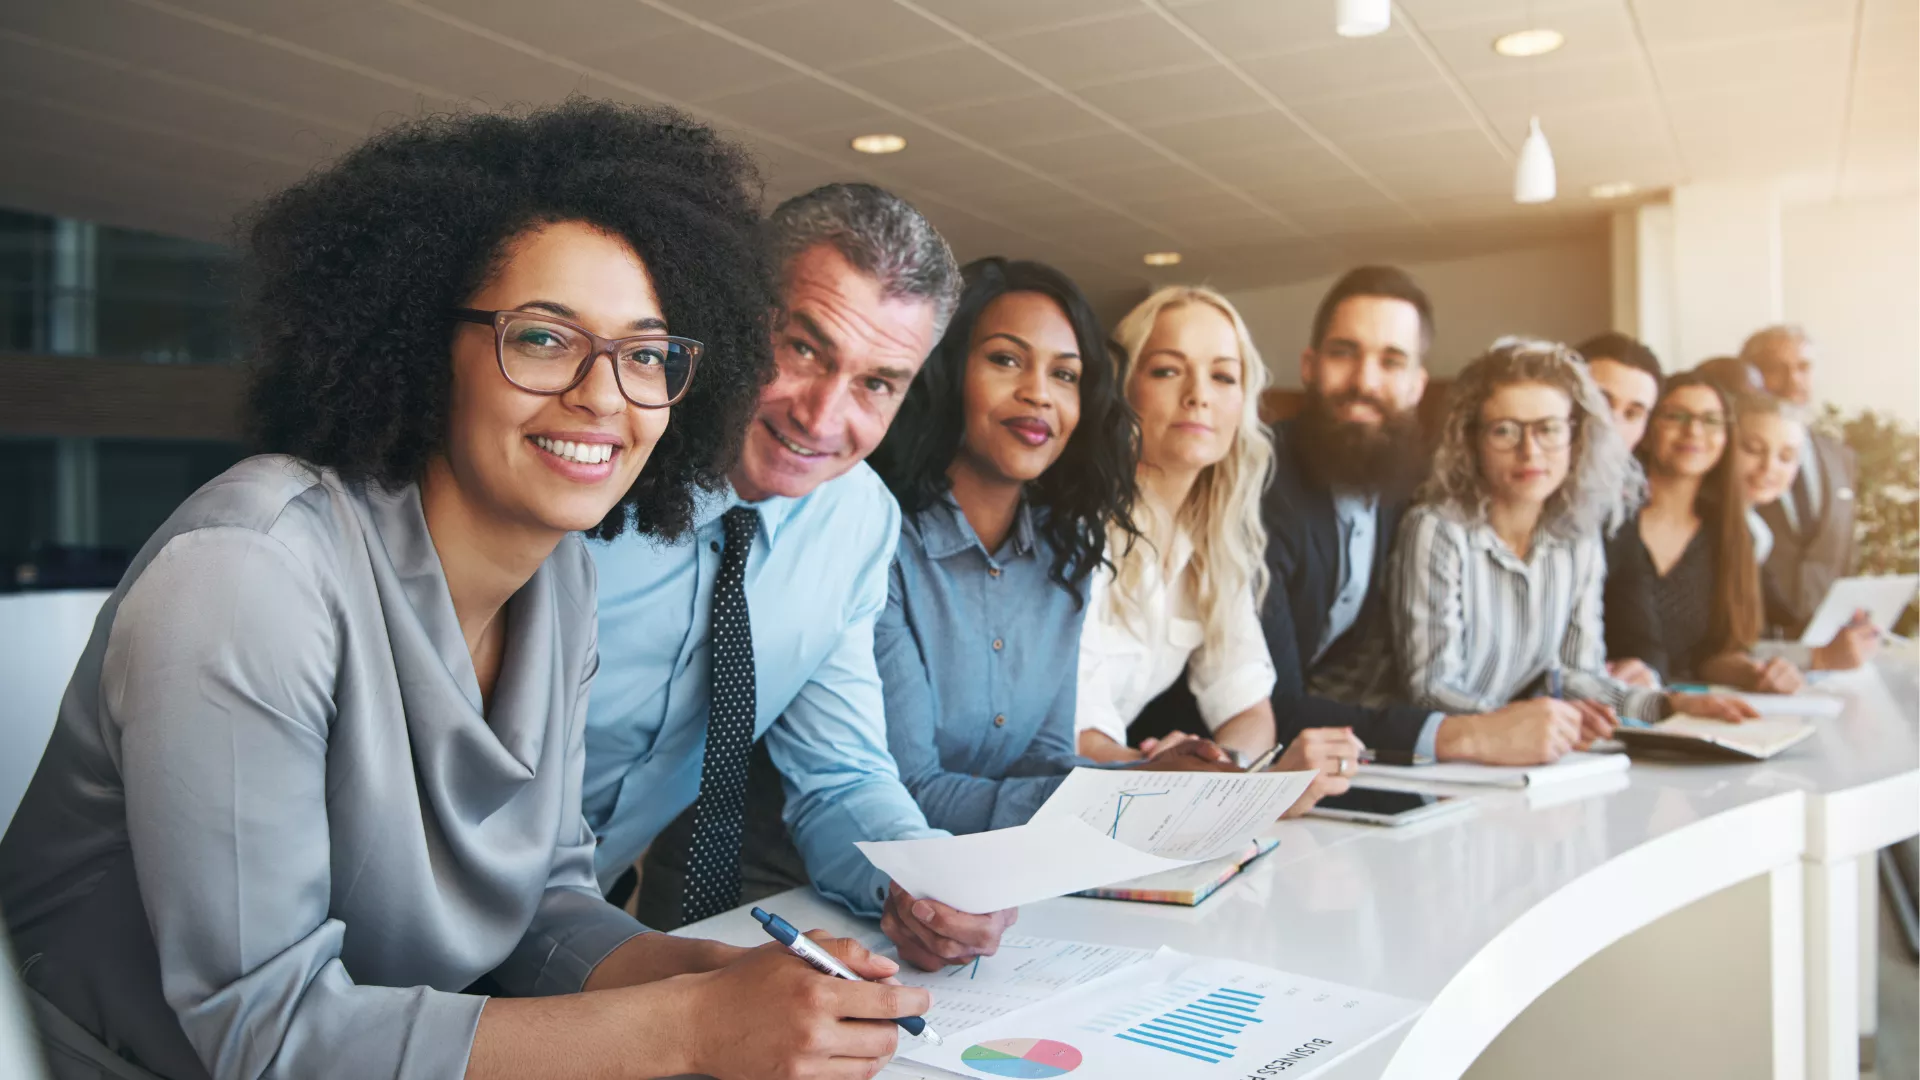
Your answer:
<point x="1242" y="133"/>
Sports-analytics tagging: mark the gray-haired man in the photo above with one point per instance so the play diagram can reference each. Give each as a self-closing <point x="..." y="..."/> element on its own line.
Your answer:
<point x="1813" y="523"/>
<point x="760" y="625"/>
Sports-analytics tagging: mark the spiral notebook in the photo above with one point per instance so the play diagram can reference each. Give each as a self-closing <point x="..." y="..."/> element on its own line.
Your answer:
<point x="1186" y="885"/>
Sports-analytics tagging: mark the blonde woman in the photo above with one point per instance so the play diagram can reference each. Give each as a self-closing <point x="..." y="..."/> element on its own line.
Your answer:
<point x="1497" y="573"/>
<point x="1767" y="452"/>
<point x="1186" y="595"/>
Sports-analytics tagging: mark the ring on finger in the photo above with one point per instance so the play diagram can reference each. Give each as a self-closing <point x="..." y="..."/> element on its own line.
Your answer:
<point x="1340" y="766"/>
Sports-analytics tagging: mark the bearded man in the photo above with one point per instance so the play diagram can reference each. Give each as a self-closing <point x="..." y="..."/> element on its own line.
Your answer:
<point x="1344" y="469"/>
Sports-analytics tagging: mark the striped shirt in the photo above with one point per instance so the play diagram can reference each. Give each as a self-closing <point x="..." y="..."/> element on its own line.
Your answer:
<point x="1476" y="626"/>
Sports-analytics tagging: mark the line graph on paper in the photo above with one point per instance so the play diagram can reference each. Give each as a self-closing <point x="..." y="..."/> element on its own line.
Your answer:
<point x="1188" y="816"/>
<point x="1125" y="802"/>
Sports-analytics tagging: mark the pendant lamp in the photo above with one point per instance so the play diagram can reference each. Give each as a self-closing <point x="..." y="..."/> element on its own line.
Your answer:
<point x="1362" y="18"/>
<point x="1533" y="177"/>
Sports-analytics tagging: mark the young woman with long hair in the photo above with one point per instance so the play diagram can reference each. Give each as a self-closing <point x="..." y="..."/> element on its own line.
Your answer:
<point x="1687" y="588"/>
<point x="1186" y="596"/>
<point x="1766" y="450"/>
<point x="1012" y="458"/>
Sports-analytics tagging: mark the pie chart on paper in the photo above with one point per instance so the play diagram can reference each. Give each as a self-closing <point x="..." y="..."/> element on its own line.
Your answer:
<point x="1031" y="1059"/>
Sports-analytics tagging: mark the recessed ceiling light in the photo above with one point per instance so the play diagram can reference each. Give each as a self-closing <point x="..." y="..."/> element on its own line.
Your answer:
<point x="880" y="144"/>
<point x="1161" y="258"/>
<point x="1536" y="42"/>
<point x="1616" y="189"/>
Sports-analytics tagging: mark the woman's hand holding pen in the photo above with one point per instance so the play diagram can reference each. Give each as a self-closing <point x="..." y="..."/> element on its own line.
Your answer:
<point x="1333" y="754"/>
<point x="768" y="1014"/>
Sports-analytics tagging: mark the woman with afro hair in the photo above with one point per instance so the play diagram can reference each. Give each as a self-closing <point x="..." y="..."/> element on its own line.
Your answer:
<point x="314" y="791"/>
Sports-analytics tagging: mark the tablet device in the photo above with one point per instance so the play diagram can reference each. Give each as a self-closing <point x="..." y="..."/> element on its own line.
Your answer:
<point x="1384" y="806"/>
<point x="1883" y="599"/>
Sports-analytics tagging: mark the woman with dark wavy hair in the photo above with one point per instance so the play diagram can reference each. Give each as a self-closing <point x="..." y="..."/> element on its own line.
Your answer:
<point x="314" y="791"/>
<point x="1012" y="453"/>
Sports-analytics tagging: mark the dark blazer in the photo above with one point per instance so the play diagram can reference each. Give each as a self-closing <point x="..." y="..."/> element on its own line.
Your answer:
<point x="1303" y="554"/>
<point x="1805" y="562"/>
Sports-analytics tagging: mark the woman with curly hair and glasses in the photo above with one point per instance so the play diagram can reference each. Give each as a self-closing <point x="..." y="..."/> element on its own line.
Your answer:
<point x="1186" y="597"/>
<point x="1497" y="574"/>
<point x="314" y="790"/>
<point x="1012" y="455"/>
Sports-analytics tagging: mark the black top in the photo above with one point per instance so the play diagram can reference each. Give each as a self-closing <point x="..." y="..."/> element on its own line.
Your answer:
<point x="1660" y="619"/>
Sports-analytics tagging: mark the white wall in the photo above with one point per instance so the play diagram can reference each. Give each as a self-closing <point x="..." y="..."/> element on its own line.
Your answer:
<point x="1561" y="292"/>
<point x="1851" y="276"/>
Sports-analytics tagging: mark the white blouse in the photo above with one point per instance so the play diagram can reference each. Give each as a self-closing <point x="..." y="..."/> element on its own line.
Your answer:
<point x="1123" y="667"/>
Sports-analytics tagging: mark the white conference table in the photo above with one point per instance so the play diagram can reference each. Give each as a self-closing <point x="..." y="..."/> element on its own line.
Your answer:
<point x="1482" y="912"/>
<point x="1863" y="793"/>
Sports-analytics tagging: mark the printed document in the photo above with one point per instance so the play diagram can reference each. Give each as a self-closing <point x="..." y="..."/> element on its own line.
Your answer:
<point x="1175" y="1017"/>
<point x="1026" y="971"/>
<point x="1101" y="826"/>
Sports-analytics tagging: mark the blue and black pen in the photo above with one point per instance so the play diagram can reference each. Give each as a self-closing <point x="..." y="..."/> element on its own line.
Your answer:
<point x="823" y="961"/>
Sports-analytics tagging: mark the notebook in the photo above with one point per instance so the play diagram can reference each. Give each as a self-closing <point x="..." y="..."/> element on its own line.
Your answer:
<point x="1754" y="740"/>
<point x="1185" y="884"/>
<point x="1573" y="766"/>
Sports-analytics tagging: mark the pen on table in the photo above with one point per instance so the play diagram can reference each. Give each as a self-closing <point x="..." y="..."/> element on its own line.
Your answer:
<point x="1556" y="683"/>
<point x="823" y="961"/>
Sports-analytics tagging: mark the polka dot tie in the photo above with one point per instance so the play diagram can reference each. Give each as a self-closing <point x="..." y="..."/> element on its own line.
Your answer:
<point x="713" y="857"/>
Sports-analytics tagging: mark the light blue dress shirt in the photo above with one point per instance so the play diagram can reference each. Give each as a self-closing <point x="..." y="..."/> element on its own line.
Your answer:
<point x="980" y="657"/>
<point x="1357" y="517"/>
<point x="816" y="583"/>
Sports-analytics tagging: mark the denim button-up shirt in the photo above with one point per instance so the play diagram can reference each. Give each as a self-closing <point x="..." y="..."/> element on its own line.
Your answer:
<point x="978" y="657"/>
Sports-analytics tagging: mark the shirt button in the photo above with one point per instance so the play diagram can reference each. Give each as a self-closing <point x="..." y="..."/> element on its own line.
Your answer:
<point x="1000" y="721"/>
<point x="993" y="571"/>
<point x="997" y="643"/>
<point x="714" y="546"/>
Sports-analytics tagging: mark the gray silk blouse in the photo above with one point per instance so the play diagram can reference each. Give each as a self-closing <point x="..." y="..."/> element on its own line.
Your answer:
<point x="274" y="834"/>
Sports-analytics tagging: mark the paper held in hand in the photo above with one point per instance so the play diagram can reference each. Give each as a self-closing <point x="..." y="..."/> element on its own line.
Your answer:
<point x="1882" y="598"/>
<point x="1100" y="826"/>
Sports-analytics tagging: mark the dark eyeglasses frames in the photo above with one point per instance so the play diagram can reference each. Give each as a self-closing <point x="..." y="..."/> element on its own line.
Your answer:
<point x="544" y="354"/>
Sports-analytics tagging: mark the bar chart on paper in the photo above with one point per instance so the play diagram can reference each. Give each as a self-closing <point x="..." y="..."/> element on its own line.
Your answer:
<point x="1202" y="1024"/>
<point x="1176" y="1017"/>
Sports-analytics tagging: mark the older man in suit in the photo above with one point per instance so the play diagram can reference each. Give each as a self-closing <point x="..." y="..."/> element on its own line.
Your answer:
<point x="1813" y="523"/>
